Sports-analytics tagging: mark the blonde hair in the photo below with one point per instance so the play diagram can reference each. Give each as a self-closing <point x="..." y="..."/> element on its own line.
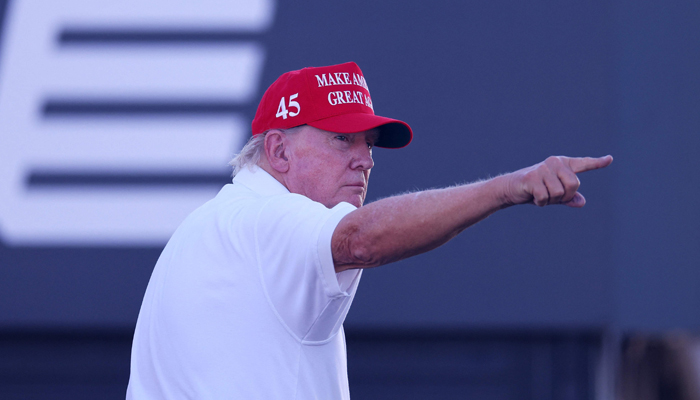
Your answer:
<point x="250" y="154"/>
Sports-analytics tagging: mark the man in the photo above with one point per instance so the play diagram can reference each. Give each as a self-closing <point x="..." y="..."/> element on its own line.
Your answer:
<point x="250" y="294"/>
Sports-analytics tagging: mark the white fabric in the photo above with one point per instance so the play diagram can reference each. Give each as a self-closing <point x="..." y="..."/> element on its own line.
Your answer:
<point x="244" y="302"/>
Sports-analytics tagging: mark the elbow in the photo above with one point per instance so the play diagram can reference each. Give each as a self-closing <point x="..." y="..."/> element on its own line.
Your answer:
<point x="363" y="254"/>
<point x="351" y="249"/>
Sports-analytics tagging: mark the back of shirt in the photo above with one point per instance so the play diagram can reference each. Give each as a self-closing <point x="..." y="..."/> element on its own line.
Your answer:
<point x="244" y="301"/>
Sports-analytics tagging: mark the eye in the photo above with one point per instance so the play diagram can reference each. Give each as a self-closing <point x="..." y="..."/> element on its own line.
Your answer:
<point x="370" y="145"/>
<point x="342" y="138"/>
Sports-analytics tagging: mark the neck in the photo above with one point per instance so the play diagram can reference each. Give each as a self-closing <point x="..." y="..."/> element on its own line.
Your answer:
<point x="265" y="166"/>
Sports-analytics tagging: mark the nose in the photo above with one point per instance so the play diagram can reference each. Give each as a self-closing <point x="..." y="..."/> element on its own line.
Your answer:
<point x="362" y="158"/>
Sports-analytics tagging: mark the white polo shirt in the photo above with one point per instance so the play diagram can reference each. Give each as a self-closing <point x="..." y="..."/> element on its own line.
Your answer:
<point x="244" y="302"/>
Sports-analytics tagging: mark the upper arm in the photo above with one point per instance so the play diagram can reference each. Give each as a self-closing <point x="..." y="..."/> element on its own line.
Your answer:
<point x="350" y="245"/>
<point x="341" y="240"/>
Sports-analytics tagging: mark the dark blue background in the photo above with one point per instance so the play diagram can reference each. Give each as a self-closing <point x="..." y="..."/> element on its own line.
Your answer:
<point x="488" y="87"/>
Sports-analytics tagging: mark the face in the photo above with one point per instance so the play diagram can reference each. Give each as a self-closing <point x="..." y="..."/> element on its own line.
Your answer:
<point x="330" y="167"/>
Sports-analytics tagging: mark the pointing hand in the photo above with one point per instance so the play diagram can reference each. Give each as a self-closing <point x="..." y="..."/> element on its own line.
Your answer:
<point x="552" y="181"/>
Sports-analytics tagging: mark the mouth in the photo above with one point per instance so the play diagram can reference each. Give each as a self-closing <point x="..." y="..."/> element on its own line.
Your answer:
<point x="359" y="185"/>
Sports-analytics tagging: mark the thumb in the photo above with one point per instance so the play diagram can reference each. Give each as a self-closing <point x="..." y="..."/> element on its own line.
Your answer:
<point x="577" y="202"/>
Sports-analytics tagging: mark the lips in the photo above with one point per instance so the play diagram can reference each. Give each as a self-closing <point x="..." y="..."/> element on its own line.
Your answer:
<point x="360" y="186"/>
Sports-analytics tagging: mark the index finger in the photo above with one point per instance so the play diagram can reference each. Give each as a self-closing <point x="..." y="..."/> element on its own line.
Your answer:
<point x="583" y="164"/>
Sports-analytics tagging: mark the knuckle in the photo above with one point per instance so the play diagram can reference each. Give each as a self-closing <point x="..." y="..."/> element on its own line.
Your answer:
<point x="551" y="160"/>
<point x="573" y="183"/>
<point x="540" y="199"/>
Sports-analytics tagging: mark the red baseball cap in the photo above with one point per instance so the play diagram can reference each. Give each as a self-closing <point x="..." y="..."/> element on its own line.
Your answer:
<point x="334" y="98"/>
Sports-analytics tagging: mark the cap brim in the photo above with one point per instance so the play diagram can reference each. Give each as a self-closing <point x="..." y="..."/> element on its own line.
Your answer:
<point x="393" y="134"/>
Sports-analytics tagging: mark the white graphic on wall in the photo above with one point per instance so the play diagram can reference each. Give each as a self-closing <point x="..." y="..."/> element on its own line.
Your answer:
<point x="36" y="67"/>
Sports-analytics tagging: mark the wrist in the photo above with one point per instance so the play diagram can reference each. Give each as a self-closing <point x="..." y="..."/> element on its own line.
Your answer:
<point x="501" y="190"/>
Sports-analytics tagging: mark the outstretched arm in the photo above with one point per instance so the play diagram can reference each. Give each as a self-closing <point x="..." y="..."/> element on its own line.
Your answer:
<point x="402" y="226"/>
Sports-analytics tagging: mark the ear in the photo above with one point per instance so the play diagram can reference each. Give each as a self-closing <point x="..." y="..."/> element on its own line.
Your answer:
<point x="276" y="148"/>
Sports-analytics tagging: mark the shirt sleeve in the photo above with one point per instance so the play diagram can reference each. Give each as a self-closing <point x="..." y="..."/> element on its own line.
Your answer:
<point x="293" y="245"/>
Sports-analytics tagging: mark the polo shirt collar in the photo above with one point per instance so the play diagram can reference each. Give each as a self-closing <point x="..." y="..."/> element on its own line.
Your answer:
<point x="259" y="181"/>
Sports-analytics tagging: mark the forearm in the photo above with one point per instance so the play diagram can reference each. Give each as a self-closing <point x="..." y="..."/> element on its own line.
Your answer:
<point x="402" y="226"/>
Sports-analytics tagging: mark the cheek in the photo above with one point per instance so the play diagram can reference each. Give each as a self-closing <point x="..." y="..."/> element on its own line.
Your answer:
<point x="319" y="181"/>
<point x="309" y="171"/>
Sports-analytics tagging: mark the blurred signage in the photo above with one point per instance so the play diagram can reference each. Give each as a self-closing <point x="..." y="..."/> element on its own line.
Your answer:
<point x="118" y="118"/>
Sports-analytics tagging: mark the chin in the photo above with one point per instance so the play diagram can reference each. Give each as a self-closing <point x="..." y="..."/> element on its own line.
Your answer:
<point x="356" y="198"/>
<point x="356" y="202"/>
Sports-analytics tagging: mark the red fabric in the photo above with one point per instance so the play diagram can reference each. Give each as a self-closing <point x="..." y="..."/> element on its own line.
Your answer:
<point x="333" y="98"/>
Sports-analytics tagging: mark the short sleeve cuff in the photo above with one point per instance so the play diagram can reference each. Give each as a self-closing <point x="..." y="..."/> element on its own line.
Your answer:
<point x="325" y="254"/>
